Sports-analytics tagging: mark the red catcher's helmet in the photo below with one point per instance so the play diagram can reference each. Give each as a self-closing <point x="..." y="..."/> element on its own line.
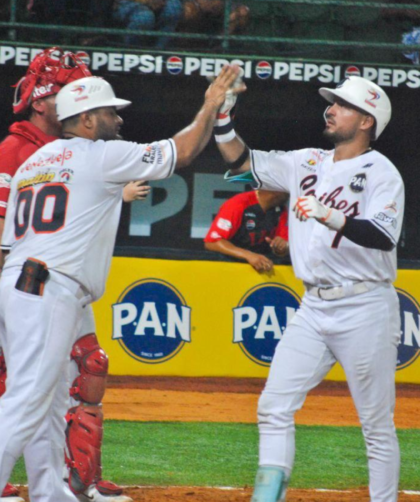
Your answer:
<point x="47" y="74"/>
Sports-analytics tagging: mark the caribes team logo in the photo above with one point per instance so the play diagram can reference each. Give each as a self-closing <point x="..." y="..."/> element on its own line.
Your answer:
<point x="409" y="347"/>
<point x="151" y="321"/>
<point x="174" y="65"/>
<point x="374" y="96"/>
<point x="263" y="70"/>
<point x="260" y="319"/>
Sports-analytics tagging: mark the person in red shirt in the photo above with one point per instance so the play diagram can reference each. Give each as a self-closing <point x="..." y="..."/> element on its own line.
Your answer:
<point x="35" y="97"/>
<point x="250" y="226"/>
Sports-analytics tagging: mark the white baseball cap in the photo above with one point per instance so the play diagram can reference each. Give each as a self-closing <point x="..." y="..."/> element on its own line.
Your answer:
<point x="365" y="95"/>
<point x="84" y="95"/>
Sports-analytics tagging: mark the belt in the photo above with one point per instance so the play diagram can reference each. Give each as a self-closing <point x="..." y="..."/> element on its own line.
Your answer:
<point x="79" y="291"/>
<point x="330" y="293"/>
<point x="76" y="288"/>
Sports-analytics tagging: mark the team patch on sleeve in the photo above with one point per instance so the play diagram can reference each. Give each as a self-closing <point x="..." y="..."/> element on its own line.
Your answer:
<point x="224" y="224"/>
<point x="386" y="219"/>
<point x="5" y="180"/>
<point x="153" y="153"/>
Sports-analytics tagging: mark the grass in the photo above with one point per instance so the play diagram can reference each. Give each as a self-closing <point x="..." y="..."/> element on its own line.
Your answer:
<point x="217" y="454"/>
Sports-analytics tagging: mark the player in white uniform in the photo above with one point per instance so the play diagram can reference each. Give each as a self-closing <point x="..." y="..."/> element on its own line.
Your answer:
<point x="63" y="216"/>
<point x="349" y="205"/>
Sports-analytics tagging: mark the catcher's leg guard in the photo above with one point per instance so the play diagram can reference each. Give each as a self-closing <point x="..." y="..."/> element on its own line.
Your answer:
<point x="3" y="373"/>
<point x="84" y="439"/>
<point x="11" y="494"/>
<point x="270" y="485"/>
<point x="85" y="422"/>
<point x="92" y="362"/>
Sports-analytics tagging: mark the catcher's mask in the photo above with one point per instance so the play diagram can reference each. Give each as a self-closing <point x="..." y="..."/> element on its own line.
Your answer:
<point x="47" y="74"/>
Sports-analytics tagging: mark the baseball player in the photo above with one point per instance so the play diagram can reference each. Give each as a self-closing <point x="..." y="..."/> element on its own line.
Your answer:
<point x="249" y="226"/>
<point x="63" y="214"/>
<point x="347" y="206"/>
<point x="35" y="96"/>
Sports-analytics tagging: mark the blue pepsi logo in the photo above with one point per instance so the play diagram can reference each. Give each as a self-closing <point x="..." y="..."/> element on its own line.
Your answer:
<point x="151" y="321"/>
<point x="264" y="70"/>
<point x="174" y="65"/>
<point x="260" y="319"/>
<point x="409" y="347"/>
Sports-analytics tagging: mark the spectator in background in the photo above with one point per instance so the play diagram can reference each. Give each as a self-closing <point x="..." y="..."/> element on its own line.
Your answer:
<point x="250" y="226"/>
<point x="160" y="15"/>
<point x="204" y="16"/>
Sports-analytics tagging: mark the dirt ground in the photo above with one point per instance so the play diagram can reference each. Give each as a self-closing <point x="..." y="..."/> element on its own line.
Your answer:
<point x="235" y="400"/>
<point x="194" y="494"/>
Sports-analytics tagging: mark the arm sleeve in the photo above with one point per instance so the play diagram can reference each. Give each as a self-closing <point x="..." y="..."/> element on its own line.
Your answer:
<point x="385" y="205"/>
<point x="366" y="234"/>
<point x="124" y="161"/>
<point x="282" y="229"/>
<point x="226" y="223"/>
<point x="273" y="170"/>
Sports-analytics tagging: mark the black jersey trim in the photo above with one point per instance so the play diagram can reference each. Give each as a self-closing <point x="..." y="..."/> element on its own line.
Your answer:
<point x="385" y="231"/>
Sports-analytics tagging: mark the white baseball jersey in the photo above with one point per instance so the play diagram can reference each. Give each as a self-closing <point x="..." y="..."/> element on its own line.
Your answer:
<point x="65" y="203"/>
<point x="366" y="187"/>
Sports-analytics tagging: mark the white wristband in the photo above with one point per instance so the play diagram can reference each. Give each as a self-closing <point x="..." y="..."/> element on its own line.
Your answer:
<point x="223" y="129"/>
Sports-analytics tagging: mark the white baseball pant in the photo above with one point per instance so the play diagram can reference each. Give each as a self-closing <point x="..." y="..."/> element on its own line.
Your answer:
<point x="360" y="332"/>
<point x="37" y="334"/>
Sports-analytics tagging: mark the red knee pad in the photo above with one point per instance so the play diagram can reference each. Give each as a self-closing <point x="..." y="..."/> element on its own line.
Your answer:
<point x="92" y="362"/>
<point x="84" y="439"/>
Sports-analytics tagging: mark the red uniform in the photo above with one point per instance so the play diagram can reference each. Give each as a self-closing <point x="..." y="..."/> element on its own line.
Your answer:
<point x="24" y="140"/>
<point x="243" y="221"/>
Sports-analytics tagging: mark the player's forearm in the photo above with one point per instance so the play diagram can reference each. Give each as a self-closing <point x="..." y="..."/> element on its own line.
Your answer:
<point x="226" y="247"/>
<point x="192" y="140"/>
<point x="233" y="152"/>
<point x="364" y="233"/>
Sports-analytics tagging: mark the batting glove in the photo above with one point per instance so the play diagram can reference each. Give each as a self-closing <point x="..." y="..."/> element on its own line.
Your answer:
<point x="231" y="97"/>
<point x="311" y="207"/>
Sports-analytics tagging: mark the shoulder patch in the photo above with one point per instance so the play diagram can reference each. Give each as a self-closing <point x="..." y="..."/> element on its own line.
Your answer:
<point x="224" y="224"/>
<point x="5" y="180"/>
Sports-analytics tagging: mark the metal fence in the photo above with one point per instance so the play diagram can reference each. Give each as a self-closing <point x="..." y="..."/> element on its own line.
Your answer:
<point x="365" y="30"/>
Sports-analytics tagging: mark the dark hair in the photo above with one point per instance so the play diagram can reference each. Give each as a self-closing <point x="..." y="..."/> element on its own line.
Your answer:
<point x="70" y="122"/>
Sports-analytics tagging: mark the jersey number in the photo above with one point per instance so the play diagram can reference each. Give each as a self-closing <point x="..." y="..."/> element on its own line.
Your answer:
<point x="49" y="214"/>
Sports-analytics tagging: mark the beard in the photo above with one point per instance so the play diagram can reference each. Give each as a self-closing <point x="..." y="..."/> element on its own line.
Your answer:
<point x="338" y="137"/>
<point x="106" y="132"/>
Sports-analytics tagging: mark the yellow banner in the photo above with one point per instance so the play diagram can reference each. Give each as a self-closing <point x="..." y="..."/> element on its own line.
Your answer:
<point x="198" y="318"/>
